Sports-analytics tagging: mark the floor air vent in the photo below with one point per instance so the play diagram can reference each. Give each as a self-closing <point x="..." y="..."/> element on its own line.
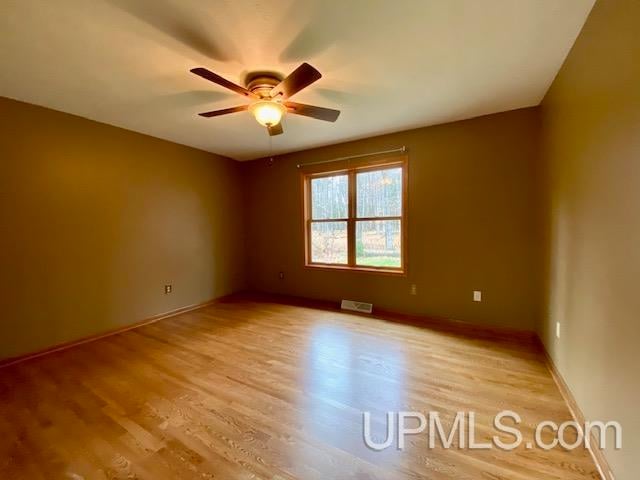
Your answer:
<point x="357" y="306"/>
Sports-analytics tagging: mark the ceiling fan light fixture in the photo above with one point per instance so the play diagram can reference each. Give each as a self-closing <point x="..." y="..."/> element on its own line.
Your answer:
<point x="270" y="96"/>
<point x="267" y="113"/>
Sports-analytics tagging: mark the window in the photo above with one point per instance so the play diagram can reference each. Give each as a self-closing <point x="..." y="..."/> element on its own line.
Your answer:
<point x="355" y="216"/>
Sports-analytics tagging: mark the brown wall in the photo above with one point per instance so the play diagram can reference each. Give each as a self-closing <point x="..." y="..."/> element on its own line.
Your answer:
<point x="472" y="223"/>
<point x="591" y="140"/>
<point x="95" y="220"/>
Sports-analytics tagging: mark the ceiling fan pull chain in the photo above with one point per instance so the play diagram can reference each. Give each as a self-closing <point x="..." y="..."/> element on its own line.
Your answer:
<point x="271" y="150"/>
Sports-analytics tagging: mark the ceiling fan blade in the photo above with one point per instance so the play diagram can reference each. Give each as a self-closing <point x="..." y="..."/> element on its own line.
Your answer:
<point x="301" y="77"/>
<point x="319" y="113"/>
<point x="224" y="111"/>
<point x="223" y="82"/>
<point x="275" y="130"/>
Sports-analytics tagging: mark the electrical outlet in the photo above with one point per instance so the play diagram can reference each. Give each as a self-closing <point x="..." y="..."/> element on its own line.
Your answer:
<point x="477" y="296"/>
<point x="557" y="329"/>
<point x="414" y="289"/>
<point x="281" y="275"/>
<point x="167" y="289"/>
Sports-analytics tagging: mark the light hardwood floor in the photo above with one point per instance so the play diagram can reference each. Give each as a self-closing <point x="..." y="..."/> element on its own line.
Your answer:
<point x="257" y="390"/>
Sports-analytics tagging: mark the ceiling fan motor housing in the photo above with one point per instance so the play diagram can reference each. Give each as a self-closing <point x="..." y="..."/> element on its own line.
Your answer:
<point x="262" y="84"/>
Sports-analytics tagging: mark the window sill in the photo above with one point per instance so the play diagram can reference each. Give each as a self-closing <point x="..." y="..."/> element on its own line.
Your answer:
<point x="344" y="268"/>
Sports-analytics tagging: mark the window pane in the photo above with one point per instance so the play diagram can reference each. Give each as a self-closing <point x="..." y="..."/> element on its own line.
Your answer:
<point x="329" y="197"/>
<point x="380" y="193"/>
<point x="378" y="243"/>
<point x="329" y="242"/>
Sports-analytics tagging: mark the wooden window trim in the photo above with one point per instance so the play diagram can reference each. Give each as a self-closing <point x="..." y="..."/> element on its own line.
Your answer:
<point x="351" y="169"/>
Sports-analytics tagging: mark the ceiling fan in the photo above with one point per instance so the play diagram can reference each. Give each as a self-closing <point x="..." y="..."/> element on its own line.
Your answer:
<point x="270" y="94"/>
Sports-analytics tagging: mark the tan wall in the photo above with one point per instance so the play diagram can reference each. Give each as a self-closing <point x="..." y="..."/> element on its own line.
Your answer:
<point x="591" y="139"/>
<point x="472" y="211"/>
<point x="95" y="220"/>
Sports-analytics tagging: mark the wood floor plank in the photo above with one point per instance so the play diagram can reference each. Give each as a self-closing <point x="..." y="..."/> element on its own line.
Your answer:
<point x="251" y="389"/>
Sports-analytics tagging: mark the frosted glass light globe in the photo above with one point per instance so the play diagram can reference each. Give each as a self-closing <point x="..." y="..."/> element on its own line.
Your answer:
<point x="267" y="113"/>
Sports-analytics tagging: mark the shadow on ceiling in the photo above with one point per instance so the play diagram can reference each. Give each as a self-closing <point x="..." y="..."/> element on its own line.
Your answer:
<point x="180" y="21"/>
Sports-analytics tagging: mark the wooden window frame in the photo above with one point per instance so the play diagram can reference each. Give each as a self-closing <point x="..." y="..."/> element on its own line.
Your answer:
<point x="351" y="169"/>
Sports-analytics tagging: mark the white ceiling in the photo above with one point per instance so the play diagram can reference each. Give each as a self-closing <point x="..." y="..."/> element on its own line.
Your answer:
<point x="389" y="65"/>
